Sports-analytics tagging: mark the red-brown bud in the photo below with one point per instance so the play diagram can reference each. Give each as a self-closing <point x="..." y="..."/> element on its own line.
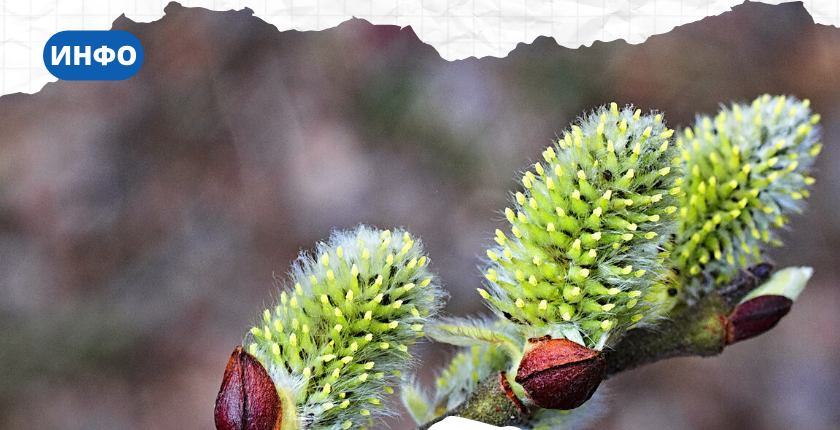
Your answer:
<point x="248" y="399"/>
<point x="559" y="373"/>
<point x="756" y="316"/>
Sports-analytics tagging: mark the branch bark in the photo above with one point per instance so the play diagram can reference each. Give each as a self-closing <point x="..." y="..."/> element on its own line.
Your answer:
<point x="493" y="402"/>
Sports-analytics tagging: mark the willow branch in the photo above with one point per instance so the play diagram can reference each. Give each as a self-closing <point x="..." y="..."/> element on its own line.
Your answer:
<point x="696" y="330"/>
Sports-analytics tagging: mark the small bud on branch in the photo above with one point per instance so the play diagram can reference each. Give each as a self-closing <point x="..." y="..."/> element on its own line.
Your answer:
<point x="559" y="373"/>
<point x="755" y="317"/>
<point x="247" y="399"/>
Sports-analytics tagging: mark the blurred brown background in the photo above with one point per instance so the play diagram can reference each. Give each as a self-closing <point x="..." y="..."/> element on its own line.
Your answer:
<point x="142" y="221"/>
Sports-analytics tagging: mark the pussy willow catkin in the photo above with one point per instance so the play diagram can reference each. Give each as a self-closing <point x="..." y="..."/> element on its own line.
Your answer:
<point x="338" y="339"/>
<point x="747" y="170"/>
<point x="588" y="228"/>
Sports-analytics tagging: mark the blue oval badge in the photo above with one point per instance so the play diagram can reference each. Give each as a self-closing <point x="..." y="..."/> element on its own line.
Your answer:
<point x="93" y="55"/>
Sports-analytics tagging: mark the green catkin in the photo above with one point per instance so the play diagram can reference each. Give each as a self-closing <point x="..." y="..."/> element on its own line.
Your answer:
<point x="472" y="365"/>
<point x="467" y="369"/>
<point x="337" y="340"/>
<point x="461" y="377"/>
<point x="746" y="171"/>
<point x="588" y="229"/>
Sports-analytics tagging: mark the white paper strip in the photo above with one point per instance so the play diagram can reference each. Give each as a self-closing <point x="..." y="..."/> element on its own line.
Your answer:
<point x="456" y="28"/>
<point x="457" y="423"/>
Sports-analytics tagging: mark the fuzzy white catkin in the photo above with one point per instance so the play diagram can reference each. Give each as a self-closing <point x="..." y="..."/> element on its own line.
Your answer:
<point x="337" y="339"/>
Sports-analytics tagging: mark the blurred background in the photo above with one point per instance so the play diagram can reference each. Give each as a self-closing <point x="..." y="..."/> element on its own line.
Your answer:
<point x="143" y="223"/>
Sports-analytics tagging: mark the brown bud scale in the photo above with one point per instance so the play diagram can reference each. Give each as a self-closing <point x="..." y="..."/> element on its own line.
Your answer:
<point x="756" y="316"/>
<point x="248" y="399"/>
<point x="508" y="390"/>
<point x="559" y="373"/>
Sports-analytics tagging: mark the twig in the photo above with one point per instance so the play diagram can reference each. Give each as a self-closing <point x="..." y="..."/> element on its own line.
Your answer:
<point x="697" y="330"/>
